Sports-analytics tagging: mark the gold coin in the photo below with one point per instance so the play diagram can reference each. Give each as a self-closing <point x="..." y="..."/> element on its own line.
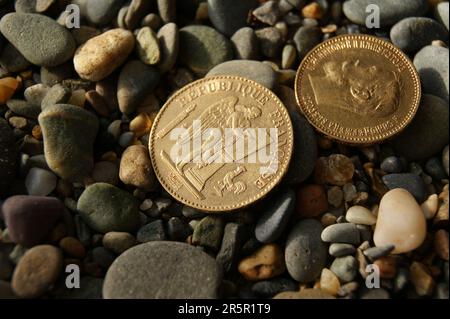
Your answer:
<point x="357" y="89"/>
<point x="221" y="143"/>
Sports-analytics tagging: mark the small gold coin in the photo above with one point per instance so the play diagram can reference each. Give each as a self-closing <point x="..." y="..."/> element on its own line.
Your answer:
<point x="221" y="143"/>
<point x="358" y="89"/>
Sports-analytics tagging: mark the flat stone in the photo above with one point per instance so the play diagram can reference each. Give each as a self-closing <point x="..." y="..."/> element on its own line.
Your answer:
<point x="253" y="70"/>
<point x="40" y="39"/>
<point x="345" y="233"/>
<point x="107" y="208"/>
<point x="306" y="253"/>
<point x="118" y="242"/>
<point x="274" y="219"/>
<point x="360" y="215"/>
<point x="102" y="12"/>
<point x="228" y="16"/>
<point x="147" y="46"/>
<point x="400" y="222"/>
<point x="340" y="250"/>
<point x="413" y="183"/>
<point x="24" y="108"/>
<point x="69" y="132"/>
<point x="345" y="268"/>
<point x="376" y="252"/>
<point x="245" y="44"/>
<point x="202" y="48"/>
<point x="169" y="43"/>
<point x="234" y="235"/>
<point x="163" y="270"/>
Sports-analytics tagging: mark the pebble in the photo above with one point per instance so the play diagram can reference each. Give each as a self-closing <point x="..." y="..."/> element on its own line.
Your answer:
<point x="105" y="172"/>
<point x="271" y="287"/>
<point x="40" y="182"/>
<point x="135" y="12"/>
<point x="360" y="215"/>
<point x="24" y="108"/>
<point x="136" y="81"/>
<point x="72" y="247"/>
<point x="270" y="41"/>
<point x="267" y="13"/>
<point x="305" y="253"/>
<point x="345" y="268"/>
<point x="228" y="16"/>
<point x="35" y="94"/>
<point x="374" y="253"/>
<point x="208" y="232"/>
<point x="392" y="164"/>
<point x="304" y="294"/>
<point x="103" y="257"/>
<point x="390" y="11"/>
<point x="377" y="293"/>
<point x="54" y="75"/>
<point x="136" y="168"/>
<point x="345" y="233"/>
<point x="69" y="132"/>
<point x="288" y="56"/>
<point x="178" y="230"/>
<point x="340" y="250"/>
<point x="147" y="46"/>
<point x="126" y="139"/>
<point x="313" y="11"/>
<point x="40" y="39"/>
<point x="57" y="94"/>
<point x="169" y="43"/>
<point x="31" y="218"/>
<point x="427" y="135"/>
<point x="141" y="125"/>
<point x="37" y="271"/>
<point x="274" y="219"/>
<point x="253" y="70"/>
<point x="267" y="262"/>
<point x="335" y="196"/>
<point x="413" y="183"/>
<point x="202" y="48"/>
<point x="336" y="169"/>
<point x="441" y="14"/>
<point x="245" y="44"/>
<point x="101" y="55"/>
<point x="102" y="12"/>
<point x="435" y="168"/>
<point x="306" y="38"/>
<point x="421" y="279"/>
<point x="167" y="10"/>
<point x="400" y="222"/>
<point x="118" y="242"/>
<point x="311" y="201"/>
<point x="152" y="20"/>
<point x="151" y="232"/>
<point x="142" y="271"/>
<point x="12" y="60"/>
<point x="430" y="206"/>
<point x="329" y="282"/>
<point x="107" y="208"/>
<point x="234" y="236"/>
<point x="412" y="34"/>
<point x="432" y="64"/>
<point x="8" y="87"/>
<point x="441" y="244"/>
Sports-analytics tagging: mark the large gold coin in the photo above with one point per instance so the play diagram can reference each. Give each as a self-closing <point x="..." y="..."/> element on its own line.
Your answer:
<point x="221" y="143"/>
<point x="358" y="89"/>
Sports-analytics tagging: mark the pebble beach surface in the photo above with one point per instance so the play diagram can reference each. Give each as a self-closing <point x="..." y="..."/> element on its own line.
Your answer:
<point x="77" y="184"/>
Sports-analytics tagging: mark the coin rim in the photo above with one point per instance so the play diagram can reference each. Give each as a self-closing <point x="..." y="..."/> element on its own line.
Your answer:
<point x="373" y="138"/>
<point x="229" y="207"/>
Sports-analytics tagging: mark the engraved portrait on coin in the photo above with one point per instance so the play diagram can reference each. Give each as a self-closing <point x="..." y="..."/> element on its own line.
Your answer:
<point x="221" y="143"/>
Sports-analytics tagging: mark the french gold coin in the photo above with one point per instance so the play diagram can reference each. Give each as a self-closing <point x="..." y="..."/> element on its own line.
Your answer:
<point x="221" y="143"/>
<point x="358" y="89"/>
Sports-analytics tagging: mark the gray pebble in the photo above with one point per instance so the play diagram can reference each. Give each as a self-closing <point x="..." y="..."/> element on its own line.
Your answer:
<point x="228" y="16"/>
<point x="345" y="233"/>
<point x="54" y="75"/>
<point x="12" y="60"/>
<point x="345" y="268"/>
<point x="245" y="44"/>
<point x="268" y="12"/>
<point x="441" y="13"/>
<point x="270" y="41"/>
<point x="35" y="94"/>
<point x="57" y="94"/>
<point x="365" y="232"/>
<point x="177" y="230"/>
<point x="411" y="182"/>
<point x="151" y="232"/>
<point x="376" y="252"/>
<point x="340" y="250"/>
<point x="101" y="12"/>
<point x="167" y="10"/>
<point x="24" y="108"/>
<point x="103" y="257"/>
<point x="435" y="169"/>
<point x="306" y="38"/>
<point x="392" y="164"/>
<point x="151" y="20"/>
<point x="135" y="12"/>
<point x="169" y="44"/>
<point x="234" y="236"/>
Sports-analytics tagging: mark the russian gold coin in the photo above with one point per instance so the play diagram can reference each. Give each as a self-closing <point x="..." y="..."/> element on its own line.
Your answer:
<point x="221" y="143"/>
<point x="358" y="89"/>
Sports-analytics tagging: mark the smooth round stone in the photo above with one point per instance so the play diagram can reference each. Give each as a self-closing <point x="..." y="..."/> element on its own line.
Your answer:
<point x="24" y="108"/>
<point x="136" y="81"/>
<point x="340" y="250"/>
<point x="245" y="44"/>
<point x="345" y="268"/>
<point x="274" y="219"/>
<point x="107" y="208"/>
<point x="40" y="39"/>
<point x="306" y="38"/>
<point x="360" y="215"/>
<point x="169" y="43"/>
<point x="101" y="12"/>
<point x="202" y="48"/>
<point x="413" y="183"/>
<point x="441" y="13"/>
<point x="8" y="157"/>
<point x="163" y="270"/>
<point x="69" y="132"/>
<point x="253" y="70"/>
<point x="445" y="160"/>
<point x="228" y="16"/>
<point x="101" y="55"/>
<point x="135" y="12"/>
<point x="12" y="60"/>
<point x="305" y="253"/>
<point x="412" y="34"/>
<point x="390" y="11"/>
<point x="31" y="218"/>
<point x="147" y="46"/>
<point x="377" y="252"/>
<point x="118" y="242"/>
<point x="37" y="271"/>
<point x="167" y="10"/>
<point x="400" y="222"/>
<point x="270" y="41"/>
<point x="267" y="262"/>
<point x="432" y="64"/>
<point x="35" y="94"/>
<point x="392" y="164"/>
<point x="40" y="182"/>
<point x="346" y="233"/>
<point x="57" y="94"/>
<point x="427" y="135"/>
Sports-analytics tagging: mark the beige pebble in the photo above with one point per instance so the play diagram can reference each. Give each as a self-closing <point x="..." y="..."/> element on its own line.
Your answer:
<point x="307" y="293"/>
<point x="430" y="206"/>
<point x="136" y="168"/>
<point x="141" y="125"/>
<point x="101" y="55"/>
<point x="441" y="243"/>
<point x="360" y="215"/>
<point x="78" y="98"/>
<point x="337" y="169"/>
<point x="118" y="242"/>
<point x="147" y="46"/>
<point x="267" y="262"/>
<point x="328" y="219"/>
<point x="329" y="282"/>
<point x="400" y="222"/>
<point x="421" y="279"/>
